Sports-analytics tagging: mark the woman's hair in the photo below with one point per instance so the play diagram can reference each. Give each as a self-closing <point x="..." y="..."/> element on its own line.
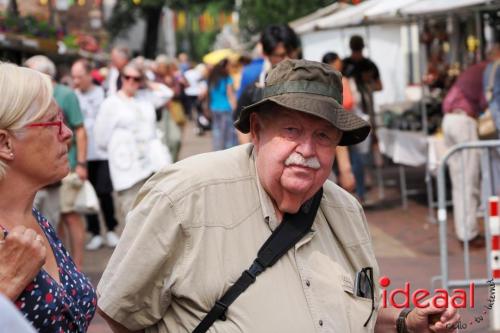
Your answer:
<point x="135" y="66"/>
<point x="26" y="97"/>
<point x="330" y="57"/>
<point x="218" y="72"/>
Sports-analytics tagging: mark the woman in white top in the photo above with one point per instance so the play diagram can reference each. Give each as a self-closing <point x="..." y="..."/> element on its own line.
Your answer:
<point x="125" y="130"/>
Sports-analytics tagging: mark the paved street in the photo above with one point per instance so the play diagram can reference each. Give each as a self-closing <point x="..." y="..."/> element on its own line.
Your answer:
<point x="406" y="245"/>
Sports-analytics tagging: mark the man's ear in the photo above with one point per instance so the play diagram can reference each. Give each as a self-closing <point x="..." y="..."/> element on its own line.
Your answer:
<point x="255" y="127"/>
<point x="6" y="146"/>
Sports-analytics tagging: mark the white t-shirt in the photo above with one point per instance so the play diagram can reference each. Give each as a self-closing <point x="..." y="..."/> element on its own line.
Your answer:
<point x="111" y="82"/>
<point x="90" y="102"/>
<point x="197" y="84"/>
<point x="125" y="130"/>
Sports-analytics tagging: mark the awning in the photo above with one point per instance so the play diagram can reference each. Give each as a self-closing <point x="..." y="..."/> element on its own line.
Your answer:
<point x="351" y="16"/>
<point x="387" y="10"/>
<point x="374" y="11"/>
<point x="308" y="22"/>
<point x="423" y="7"/>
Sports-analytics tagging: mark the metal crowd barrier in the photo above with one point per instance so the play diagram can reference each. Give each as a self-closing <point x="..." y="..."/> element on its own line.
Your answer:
<point x="486" y="192"/>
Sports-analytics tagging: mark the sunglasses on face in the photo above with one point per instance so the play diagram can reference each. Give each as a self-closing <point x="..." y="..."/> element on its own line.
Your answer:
<point x="59" y="122"/>
<point x="130" y="77"/>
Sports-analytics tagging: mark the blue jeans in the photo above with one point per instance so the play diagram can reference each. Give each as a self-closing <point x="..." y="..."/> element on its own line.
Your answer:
<point x="358" y="162"/>
<point x="223" y="132"/>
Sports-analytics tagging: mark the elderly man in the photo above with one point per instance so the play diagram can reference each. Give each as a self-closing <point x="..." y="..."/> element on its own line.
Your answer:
<point x="90" y="97"/>
<point x="199" y="223"/>
<point x="120" y="56"/>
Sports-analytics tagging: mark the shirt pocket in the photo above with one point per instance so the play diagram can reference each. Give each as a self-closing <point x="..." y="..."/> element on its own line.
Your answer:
<point x="358" y="308"/>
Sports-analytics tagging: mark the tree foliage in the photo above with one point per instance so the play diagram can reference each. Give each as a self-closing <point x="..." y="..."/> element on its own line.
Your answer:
<point x="254" y="16"/>
<point x="257" y="14"/>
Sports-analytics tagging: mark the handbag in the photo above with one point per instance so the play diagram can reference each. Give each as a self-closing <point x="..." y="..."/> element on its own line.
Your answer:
<point x="287" y="234"/>
<point x="86" y="201"/>
<point x="486" y="127"/>
<point x="159" y="155"/>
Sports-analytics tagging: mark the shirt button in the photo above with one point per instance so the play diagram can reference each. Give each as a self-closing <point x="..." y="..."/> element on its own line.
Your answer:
<point x="308" y="283"/>
<point x="321" y="322"/>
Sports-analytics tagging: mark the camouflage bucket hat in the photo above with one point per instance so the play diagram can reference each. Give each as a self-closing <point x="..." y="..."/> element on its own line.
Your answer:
<point x="313" y="88"/>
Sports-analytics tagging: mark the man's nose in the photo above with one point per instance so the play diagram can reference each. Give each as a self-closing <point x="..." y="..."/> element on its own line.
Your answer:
<point x="307" y="147"/>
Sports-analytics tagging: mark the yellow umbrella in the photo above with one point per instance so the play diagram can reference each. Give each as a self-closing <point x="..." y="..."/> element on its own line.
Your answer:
<point x="214" y="57"/>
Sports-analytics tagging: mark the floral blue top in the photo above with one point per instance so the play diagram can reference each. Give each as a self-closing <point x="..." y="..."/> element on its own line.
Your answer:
<point x="58" y="308"/>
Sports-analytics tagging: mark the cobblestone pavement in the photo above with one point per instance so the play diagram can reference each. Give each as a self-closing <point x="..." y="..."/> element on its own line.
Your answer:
<point x="406" y="244"/>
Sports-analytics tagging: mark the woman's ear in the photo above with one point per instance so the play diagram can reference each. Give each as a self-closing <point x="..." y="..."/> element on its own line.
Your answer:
<point x="6" y="146"/>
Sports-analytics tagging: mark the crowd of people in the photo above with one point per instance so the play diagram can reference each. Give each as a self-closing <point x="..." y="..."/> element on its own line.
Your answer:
<point x="471" y="94"/>
<point x="191" y="227"/>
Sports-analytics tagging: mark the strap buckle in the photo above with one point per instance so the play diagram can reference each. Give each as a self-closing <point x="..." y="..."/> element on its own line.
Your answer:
<point x="255" y="270"/>
<point x="222" y="308"/>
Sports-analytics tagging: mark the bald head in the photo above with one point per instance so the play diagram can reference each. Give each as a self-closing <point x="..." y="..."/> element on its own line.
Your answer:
<point x="81" y="75"/>
<point x="120" y="56"/>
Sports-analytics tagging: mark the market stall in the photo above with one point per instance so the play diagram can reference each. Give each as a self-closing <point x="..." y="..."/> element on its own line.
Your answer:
<point x="420" y="47"/>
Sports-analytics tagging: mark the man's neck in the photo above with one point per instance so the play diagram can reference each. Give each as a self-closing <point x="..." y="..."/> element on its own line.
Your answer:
<point x="358" y="55"/>
<point x="88" y="89"/>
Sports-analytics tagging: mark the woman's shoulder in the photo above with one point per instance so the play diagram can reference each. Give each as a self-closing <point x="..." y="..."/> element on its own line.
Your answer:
<point x="43" y="222"/>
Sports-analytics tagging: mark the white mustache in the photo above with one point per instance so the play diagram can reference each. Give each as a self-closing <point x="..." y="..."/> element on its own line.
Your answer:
<point x="297" y="159"/>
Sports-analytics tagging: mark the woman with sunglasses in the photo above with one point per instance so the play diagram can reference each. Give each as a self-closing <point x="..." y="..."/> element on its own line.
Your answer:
<point x="36" y="271"/>
<point x="125" y="130"/>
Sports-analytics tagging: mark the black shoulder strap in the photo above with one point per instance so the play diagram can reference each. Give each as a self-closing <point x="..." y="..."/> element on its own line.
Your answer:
<point x="287" y="234"/>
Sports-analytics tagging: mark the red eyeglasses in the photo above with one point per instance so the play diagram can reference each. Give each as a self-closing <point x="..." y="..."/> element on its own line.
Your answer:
<point x="58" y="123"/>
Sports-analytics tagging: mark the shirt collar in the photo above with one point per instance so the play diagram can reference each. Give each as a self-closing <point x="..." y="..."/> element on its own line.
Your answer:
<point x="266" y="203"/>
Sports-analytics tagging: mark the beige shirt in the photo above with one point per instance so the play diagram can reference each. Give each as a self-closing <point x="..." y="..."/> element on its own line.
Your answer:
<point x="199" y="223"/>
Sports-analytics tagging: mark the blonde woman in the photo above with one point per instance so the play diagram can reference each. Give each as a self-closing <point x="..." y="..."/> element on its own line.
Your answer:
<point x="36" y="271"/>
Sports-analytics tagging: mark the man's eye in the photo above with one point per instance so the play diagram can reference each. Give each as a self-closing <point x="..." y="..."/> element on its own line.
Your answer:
<point x="291" y="131"/>
<point x="324" y="138"/>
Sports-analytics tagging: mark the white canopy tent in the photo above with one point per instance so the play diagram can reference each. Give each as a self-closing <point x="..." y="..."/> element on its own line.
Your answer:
<point x="308" y="23"/>
<point x="424" y="7"/>
<point x="348" y="17"/>
<point x="391" y="36"/>
<point x="387" y="41"/>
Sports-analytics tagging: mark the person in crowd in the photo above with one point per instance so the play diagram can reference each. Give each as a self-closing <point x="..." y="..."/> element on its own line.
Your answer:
<point x="90" y="97"/>
<point x="171" y="116"/>
<point x="120" y="56"/>
<point x="491" y="87"/>
<point x="77" y="155"/>
<point x="36" y="271"/>
<point x="346" y="177"/>
<point x="196" y="93"/>
<point x="184" y="63"/>
<point x="461" y="107"/>
<point x="125" y="131"/>
<point x="11" y="319"/>
<point x="367" y="81"/>
<point x="221" y="102"/>
<point x="278" y="42"/>
<point x="201" y="221"/>
<point x="174" y="79"/>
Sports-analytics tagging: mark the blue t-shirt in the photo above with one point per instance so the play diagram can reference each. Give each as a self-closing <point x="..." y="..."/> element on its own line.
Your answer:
<point x="219" y="102"/>
<point x="494" y="103"/>
<point x="250" y="74"/>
